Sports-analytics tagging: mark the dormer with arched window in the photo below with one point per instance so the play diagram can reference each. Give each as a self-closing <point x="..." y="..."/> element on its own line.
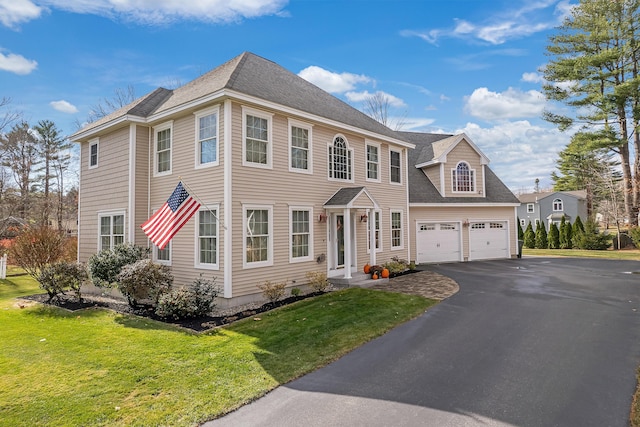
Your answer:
<point x="558" y="206"/>
<point x="463" y="178"/>
<point x="340" y="160"/>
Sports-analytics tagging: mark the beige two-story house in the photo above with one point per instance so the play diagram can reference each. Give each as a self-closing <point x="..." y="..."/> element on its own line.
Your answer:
<point x="290" y="178"/>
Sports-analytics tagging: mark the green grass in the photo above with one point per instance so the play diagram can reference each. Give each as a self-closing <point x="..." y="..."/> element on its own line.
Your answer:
<point x="626" y="254"/>
<point x="96" y="367"/>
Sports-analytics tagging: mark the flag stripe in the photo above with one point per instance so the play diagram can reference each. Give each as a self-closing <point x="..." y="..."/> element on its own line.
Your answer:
<point x="171" y="217"/>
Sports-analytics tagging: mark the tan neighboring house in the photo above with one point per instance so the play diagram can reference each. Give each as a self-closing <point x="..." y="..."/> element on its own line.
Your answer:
<point x="291" y="180"/>
<point x="459" y="209"/>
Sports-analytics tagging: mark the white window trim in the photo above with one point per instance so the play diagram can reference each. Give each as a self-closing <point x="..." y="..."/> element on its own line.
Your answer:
<point x="269" y="260"/>
<point x="391" y="150"/>
<point x="196" y="259"/>
<point x="349" y="149"/>
<point x="112" y="213"/>
<point x="246" y="111"/>
<point x="473" y="174"/>
<point x="156" y="129"/>
<point x="309" y="128"/>
<point x="162" y="261"/>
<point x="530" y="208"/>
<point x="366" y="162"/>
<point x="199" y="114"/>
<point x="96" y="142"/>
<point x="523" y="223"/>
<point x="380" y="234"/>
<point x="394" y="248"/>
<point x="561" y="203"/>
<point x="309" y="257"/>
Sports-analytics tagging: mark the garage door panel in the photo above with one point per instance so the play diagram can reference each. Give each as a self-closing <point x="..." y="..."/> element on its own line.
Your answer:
<point x="437" y="242"/>
<point x="488" y="240"/>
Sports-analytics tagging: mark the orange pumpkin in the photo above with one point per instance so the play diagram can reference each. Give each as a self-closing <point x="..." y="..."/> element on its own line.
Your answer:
<point x="367" y="269"/>
<point x="385" y="273"/>
<point x="375" y="276"/>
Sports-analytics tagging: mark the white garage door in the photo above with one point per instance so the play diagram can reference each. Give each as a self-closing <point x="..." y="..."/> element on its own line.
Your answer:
<point x="488" y="240"/>
<point x="437" y="242"/>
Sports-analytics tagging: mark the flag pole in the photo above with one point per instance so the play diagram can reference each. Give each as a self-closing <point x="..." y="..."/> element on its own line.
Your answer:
<point x="201" y="202"/>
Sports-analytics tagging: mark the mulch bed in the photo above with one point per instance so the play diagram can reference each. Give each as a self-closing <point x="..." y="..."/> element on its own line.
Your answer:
<point x="199" y="324"/>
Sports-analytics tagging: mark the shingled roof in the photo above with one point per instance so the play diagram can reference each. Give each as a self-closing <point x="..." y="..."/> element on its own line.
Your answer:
<point x="422" y="190"/>
<point x="252" y="75"/>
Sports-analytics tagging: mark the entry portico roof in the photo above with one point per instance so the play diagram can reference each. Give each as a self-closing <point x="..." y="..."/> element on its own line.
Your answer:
<point x="350" y="198"/>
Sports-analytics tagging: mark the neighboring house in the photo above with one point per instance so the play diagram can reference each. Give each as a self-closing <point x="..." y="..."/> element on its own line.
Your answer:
<point x="459" y="209"/>
<point x="550" y="207"/>
<point x="11" y="226"/>
<point x="291" y="180"/>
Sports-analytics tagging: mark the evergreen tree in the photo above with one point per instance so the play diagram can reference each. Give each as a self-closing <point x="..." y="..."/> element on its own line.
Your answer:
<point x="565" y="234"/>
<point x="541" y="237"/>
<point x="576" y="232"/>
<point x="592" y="239"/>
<point x="529" y="237"/>
<point x="520" y="231"/>
<point x="554" y="237"/>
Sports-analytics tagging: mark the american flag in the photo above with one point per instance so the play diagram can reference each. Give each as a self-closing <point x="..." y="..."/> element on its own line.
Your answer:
<point x="165" y="223"/>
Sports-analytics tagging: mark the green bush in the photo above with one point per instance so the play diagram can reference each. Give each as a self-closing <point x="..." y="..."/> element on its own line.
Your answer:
<point x="105" y="266"/>
<point x="144" y="281"/>
<point x="541" y="237"/>
<point x="520" y="230"/>
<point x="591" y="239"/>
<point x="396" y="266"/>
<point x="565" y="234"/>
<point x="196" y="301"/>
<point x="529" y="237"/>
<point x="318" y="281"/>
<point x="634" y="233"/>
<point x="57" y="278"/>
<point x="554" y="237"/>
<point x="295" y="292"/>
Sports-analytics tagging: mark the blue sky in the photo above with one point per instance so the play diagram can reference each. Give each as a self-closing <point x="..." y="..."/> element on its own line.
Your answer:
<point x="447" y="65"/>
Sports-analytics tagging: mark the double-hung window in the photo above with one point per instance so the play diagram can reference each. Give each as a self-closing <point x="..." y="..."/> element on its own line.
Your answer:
<point x="93" y="153"/>
<point x="300" y="147"/>
<point x="373" y="162"/>
<point x="258" y="241"/>
<point x="530" y="208"/>
<point x="340" y="160"/>
<point x="300" y="234"/>
<point x="395" y="175"/>
<point x="111" y="232"/>
<point x="257" y="138"/>
<point x="463" y="178"/>
<point x="207" y="137"/>
<point x="396" y="230"/>
<point x="163" y="256"/>
<point x="162" y="148"/>
<point x="207" y="239"/>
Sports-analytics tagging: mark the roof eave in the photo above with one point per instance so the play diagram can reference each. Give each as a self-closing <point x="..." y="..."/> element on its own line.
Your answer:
<point x="88" y="134"/>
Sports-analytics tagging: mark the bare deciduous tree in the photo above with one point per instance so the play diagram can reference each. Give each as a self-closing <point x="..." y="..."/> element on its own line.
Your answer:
<point x="378" y="107"/>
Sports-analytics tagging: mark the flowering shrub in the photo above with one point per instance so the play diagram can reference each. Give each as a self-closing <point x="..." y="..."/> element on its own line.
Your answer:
<point x="105" y="266"/>
<point x="59" y="277"/>
<point x="183" y="303"/>
<point x="144" y="280"/>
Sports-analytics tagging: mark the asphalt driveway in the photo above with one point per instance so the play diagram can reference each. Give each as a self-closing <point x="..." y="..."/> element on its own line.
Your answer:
<point x="530" y="342"/>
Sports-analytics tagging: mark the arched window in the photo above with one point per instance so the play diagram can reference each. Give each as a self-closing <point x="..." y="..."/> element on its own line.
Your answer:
<point x="340" y="160"/>
<point x="463" y="178"/>
<point x="557" y="205"/>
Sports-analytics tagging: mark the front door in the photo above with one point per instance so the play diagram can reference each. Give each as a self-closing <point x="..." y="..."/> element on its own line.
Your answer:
<point x="339" y="241"/>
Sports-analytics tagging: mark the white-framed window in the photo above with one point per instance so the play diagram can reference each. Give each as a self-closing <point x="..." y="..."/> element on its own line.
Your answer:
<point x="162" y="256"/>
<point x="207" y="244"/>
<point x="162" y="148"/>
<point x="523" y="223"/>
<point x="300" y="234"/>
<point x="557" y="205"/>
<point x="258" y="235"/>
<point x="372" y="155"/>
<point x="397" y="230"/>
<point x="110" y="229"/>
<point x="395" y="167"/>
<point x="536" y="222"/>
<point x="375" y="222"/>
<point x="257" y="146"/>
<point x="463" y="178"/>
<point x="530" y="208"/>
<point x="340" y="160"/>
<point x="207" y="137"/>
<point x="94" y="148"/>
<point x="300" y="143"/>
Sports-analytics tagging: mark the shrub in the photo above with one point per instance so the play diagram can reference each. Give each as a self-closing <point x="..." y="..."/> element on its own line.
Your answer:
<point x="105" y="266"/>
<point x="396" y="266"/>
<point x="554" y="237"/>
<point x="318" y="281"/>
<point x="591" y="239"/>
<point x="56" y="278"/>
<point x="634" y="233"/>
<point x="520" y="230"/>
<point x="295" y="292"/>
<point x="196" y="301"/>
<point x="541" y="237"/>
<point x="273" y="292"/>
<point x="565" y="234"/>
<point x="37" y="247"/>
<point x="529" y="237"/>
<point x="144" y="280"/>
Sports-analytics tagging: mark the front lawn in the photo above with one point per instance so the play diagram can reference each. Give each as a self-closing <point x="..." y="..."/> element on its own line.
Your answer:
<point x="96" y="367"/>
<point x="626" y="254"/>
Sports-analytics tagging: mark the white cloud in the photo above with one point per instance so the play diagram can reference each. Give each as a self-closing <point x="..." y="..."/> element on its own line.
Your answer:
<point x="332" y="82"/>
<point x="17" y="64"/>
<point x="64" y="106"/>
<point x="511" y="104"/>
<point x="16" y="12"/>
<point x="532" y="78"/>
<point x="364" y="95"/>
<point x="519" y="151"/>
<point x="167" y="11"/>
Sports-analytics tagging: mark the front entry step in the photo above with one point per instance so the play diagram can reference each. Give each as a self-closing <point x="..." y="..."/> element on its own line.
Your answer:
<point x="358" y="280"/>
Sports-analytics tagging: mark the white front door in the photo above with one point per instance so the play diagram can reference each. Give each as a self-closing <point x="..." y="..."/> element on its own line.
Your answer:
<point x="337" y="243"/>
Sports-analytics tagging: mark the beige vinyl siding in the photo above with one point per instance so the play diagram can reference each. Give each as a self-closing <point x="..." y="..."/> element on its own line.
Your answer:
<point x="142" y="182"/>
<point x="460" y="214"/>
<point x="281" y="189"/>
<point x="433" y="173"/>
<point x="112" y="173"/>
<point x="205" y="183"/>
<point x="463" y="152"/>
